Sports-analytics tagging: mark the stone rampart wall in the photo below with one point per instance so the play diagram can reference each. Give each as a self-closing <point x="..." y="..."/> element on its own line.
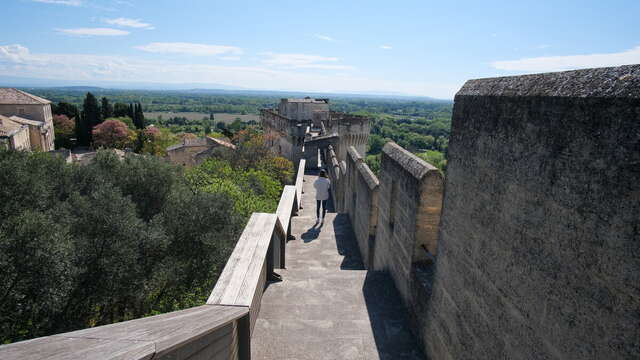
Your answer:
<point x="539" y="251"/>
<point x="361" y="203"/>
<point x="407" y="186"/>
<point x="395" y="218"/>
<point x="533" y="253"/>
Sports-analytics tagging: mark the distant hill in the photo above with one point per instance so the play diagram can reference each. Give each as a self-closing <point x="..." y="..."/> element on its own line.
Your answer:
<point x="218" y="89"/>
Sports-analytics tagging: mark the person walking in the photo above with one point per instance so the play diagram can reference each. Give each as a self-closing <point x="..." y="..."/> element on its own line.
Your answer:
<point x="322" y="185"/>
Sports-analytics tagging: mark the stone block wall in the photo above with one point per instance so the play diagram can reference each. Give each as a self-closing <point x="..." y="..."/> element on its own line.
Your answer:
<point x="409" y="201"/>
<point x="539" y="248"/>
<point x="361" y="203"/>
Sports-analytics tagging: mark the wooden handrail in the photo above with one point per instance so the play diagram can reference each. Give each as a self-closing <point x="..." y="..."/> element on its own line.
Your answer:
<point x="300" y="180"/>
<point x="220" y="329"/>
<point x="180" y="334"/>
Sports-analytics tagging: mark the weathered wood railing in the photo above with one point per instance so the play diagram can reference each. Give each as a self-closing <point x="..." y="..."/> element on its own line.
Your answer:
<point x="300" y="180"/>
<point x="221" y="329"/>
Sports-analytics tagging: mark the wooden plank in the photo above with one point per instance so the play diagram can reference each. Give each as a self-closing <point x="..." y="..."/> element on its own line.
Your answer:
<point x="239" y="282"/>
<point x="286" y="205"/>
<point x="63" y="348"/>
<point x="250" y="283"/>
<point x="300" y="180"/>
<point x="234" y="272"/>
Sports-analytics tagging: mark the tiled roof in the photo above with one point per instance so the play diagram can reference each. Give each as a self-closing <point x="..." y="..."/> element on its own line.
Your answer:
<point x="221" y="142"/>
<point x="26" y="121"/>
<point x="11" y="96"/>
<point x="208" y="141"/>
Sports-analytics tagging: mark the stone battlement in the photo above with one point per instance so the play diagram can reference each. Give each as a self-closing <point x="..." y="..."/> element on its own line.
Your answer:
<point x="530" y="250"/>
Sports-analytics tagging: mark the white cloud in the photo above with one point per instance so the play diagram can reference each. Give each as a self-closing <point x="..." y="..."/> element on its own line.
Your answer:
<point x="324" y="37"/>
<point x="189" y="48"/>
<point x="126" y="22"/>
<point x="17" y="60"/>
<point x="560" y="63"/>
<point x="61" y="2"/>
<point x="386" y="47"/>
<point x="93" y="32"/>
<point x="303" y="61"/>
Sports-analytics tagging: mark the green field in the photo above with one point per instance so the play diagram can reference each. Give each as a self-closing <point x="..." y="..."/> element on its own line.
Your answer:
<point x="197" y="116"/>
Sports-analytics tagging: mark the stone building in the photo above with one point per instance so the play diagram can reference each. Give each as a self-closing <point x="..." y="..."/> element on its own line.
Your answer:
<point x="26" y="121"/>
<point x="294" y="128"/>
<point x="192" y="152"/>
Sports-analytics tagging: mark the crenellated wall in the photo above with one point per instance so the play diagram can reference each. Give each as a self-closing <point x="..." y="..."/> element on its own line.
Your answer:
<point x="361" y="203"/>
<point x="533" y="252"/>
<point x="539" y="250"/>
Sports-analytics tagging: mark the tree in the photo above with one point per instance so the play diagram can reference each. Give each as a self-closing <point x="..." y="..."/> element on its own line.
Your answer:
<point x="91" y="110"/>
<point x="64" y="130"/>
<point x="90" y="117"/>
<point x="131" y="113"/>
<point x="109" y="241"/>
<point x="139" y="116"/>
<point x="376" y="143"/>
<point x="83" y="130"/>
<point x="63" y="108"/>
<point x="120" y="110"/>
<point x="112" y="134"/>
<point x="107" y="109"/>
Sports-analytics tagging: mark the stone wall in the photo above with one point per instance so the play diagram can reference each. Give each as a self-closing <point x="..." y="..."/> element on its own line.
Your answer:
<point x="361" y="203"/>
<point x="409" y="202"/>
<point x="38" y="112"/>
<point x="539" y="251"/>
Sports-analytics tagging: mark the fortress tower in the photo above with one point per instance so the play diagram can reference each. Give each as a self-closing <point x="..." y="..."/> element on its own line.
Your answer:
<point x="298" y="127"/>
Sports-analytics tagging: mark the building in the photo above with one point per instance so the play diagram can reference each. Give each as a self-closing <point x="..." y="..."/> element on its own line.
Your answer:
<point x="192" y="152"/>
<point x="26" y="121"/>
<point x="293" y="129"/>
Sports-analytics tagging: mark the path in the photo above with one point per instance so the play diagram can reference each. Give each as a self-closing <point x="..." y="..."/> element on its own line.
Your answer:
<point x="328" y="306"/>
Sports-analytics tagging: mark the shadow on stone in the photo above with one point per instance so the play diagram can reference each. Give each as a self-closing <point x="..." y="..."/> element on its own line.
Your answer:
<point x="389" y="319"/>
<point x="312" y="233"/>
<point x="346" y="244"/>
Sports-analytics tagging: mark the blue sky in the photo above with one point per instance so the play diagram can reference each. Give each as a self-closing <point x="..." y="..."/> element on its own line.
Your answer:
<point x="412" y="47"/>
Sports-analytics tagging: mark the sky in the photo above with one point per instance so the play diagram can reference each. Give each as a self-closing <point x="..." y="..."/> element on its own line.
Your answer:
<point x="426" y="48"/>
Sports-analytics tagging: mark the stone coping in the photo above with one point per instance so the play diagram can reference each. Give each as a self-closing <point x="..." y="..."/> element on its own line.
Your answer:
<point x="611" y="82"/>
<point x="415" y="166"/>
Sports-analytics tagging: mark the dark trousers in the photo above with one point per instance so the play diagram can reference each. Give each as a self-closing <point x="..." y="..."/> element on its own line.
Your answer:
<point x="322" y="203"/>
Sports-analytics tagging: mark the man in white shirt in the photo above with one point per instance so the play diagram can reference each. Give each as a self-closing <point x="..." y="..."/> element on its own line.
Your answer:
<point x="322" y="185"/>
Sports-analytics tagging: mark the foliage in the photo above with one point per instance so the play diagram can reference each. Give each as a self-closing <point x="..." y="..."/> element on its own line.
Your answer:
<point x="412" y="133"/>
<point x="252" y="190"/>
<point x="63" y="108"/>
<point x="434" y="158"/>
<point x="117" y="239"/>
<point x="112" y="134"/>
<point x="106" y="108"/>
<point x="64" y="131"/>
<point x="89" y="118"/>
<point x="155" y="141"/>
<point x="373" y="162"/>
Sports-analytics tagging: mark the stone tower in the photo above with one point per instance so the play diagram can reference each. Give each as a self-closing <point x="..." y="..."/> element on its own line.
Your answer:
<point x="299" y="127"/>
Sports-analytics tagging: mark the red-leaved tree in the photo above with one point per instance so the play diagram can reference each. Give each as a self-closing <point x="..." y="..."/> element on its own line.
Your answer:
<point x="112" y="134"/>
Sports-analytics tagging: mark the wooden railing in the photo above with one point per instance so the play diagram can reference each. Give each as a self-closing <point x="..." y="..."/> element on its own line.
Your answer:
<point x="221" y="329"/>
<point x="300" y="180"/>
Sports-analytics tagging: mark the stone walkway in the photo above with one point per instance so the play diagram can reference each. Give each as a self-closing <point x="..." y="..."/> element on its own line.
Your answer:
<point x="328" y="306"/>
